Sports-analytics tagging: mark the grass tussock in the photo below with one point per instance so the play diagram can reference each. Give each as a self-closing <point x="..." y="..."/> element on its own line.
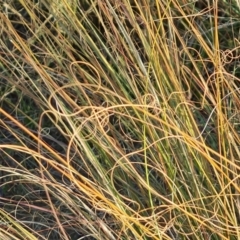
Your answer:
<point x="119" y="119"/>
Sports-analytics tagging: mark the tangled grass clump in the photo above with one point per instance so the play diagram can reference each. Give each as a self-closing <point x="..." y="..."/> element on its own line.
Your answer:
<point x="119" y="119"/>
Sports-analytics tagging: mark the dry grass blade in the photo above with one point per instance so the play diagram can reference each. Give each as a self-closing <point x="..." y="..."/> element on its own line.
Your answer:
<point x="119" y="119"/>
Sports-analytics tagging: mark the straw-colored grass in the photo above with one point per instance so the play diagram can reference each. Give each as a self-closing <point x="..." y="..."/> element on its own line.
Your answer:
<point x="119" y="119"/>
